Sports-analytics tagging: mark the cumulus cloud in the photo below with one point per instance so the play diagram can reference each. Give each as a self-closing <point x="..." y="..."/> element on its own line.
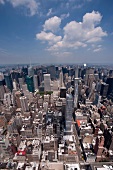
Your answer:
<point x="2" y="2"/>
<point x="75" y="34"/>
<point x="30" y="5"/>
<point x="50" y="37"/>
<point x="52" y="24"/>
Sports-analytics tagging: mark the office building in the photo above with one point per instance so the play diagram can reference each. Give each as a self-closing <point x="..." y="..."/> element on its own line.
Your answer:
<point x="30" y="71"/>
<point x="76" y="93"/>
<point x="8" y="81"/>
<point x="21" y="82"/>
<point x="30" y="83"/>
<point x="35" y="79"/>
<point x="47" y="81"/>
<point x="61" y="83"/>
<point x="104" y="89"/>
<point x="62" y="92"/>
<point x="69" y="111"/>
<point x="24" y="104"/>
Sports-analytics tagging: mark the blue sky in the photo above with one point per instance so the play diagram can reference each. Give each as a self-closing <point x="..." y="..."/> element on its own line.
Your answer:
<point x="56" y="31"/>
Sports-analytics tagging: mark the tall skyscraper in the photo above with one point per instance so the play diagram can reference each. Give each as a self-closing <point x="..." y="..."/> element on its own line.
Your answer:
<point x="69" y="111"/>
<point x="110" y="88"/>
<point x="47" y="81"/>
<point x="61" y="83"/>
<point x="21" y="82"/>
<point x="30" y="83"/>
<point x="76" y="93"/>
<point x="76" y="72"/>
<point x="35" y="79"/>
<point x="15" y="86"/>
<point x="104" y="89"/>
<point x="24" y="104"/>
<point x="30" y="71"/>
<point x="2" y="89"/>
<point x="52" y="71"/>
<point x="8" y="81"/>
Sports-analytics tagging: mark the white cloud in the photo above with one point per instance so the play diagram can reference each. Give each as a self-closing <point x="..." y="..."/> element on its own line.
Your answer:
<point x="52" y="24"/>
<point x="49" y="12"/>
<point x="90" y="20"/>
<point x="50" y="37"/>
<point x="84" y="32"/>
<point x="2" y="2"/>
<point x="97" y="49"/>
<point x="63" y="16"/>
<point x="30" y="5"/>
<point x="75" y="34"/>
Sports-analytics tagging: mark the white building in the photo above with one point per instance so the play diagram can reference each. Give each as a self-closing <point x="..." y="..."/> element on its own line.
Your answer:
<point x="47" y="82"/>
<point x="30" y="71"/>
<point x="61" y="83"/>
<point x="35" y="79"/>
<point x="8" y="99"/>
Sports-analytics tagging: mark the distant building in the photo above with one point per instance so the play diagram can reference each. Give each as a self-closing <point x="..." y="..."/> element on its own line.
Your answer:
<point x="30" y="71"/>
<point x="61" y="83"/>
<point x="104" y="89"/>
<point x="69" y="111"/>
<point x="35" y="79"/>
<point x="24" y="104"/>
<point x="30" y="83"/>
<point x="8" y="81"/>
<point x="63" y="92"/>
<point x="47" y="82"/>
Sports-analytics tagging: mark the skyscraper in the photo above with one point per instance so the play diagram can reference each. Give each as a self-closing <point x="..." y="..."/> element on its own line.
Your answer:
<point x="8" y="81"/>
<point x="35" y="79"/>
<point x="30" y="71"/>
<point x="47" y="81"/>
<point x="24" y="104"/>
<point x="76" y="93"/>
<point x="30" y="83"/>
<point x="61" y="83"/>
<point x="69" y="111"/>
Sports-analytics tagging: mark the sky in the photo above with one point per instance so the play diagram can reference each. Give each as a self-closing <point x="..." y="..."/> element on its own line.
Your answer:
<point x="56" y="31"/>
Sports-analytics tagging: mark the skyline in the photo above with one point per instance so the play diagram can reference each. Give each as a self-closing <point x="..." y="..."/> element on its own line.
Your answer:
<point x="71" y="31"/>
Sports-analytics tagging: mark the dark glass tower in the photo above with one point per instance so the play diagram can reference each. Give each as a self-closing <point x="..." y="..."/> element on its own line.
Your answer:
<point x="8" y="81"/>
<point x="30" y="83"/>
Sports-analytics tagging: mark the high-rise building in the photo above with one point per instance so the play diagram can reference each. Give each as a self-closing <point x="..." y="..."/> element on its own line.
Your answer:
<point x="35" y="79"/>
<point x="24" y="104"/>
<point x="76" y="72"/>
<point x="61" y="83"/>
<point x="30" y="83"/>
<point x="8" y="81"/>
<point x="21" y="82"/>
<point x="69" y="111"/>
<point x="76" y="93"/>
<point x="63" y="92"/>
<point x="2" y="89"/>
<point x="30" y="71"/>
<point x="52" y="71"/>
<point x="110" y="82"/>
<point x="8" y="99"/>
<point x="15" y="86"/>
<point x="17" y="98"/>
<point x="47" y="81"/>
<point x="104" y="89"/>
